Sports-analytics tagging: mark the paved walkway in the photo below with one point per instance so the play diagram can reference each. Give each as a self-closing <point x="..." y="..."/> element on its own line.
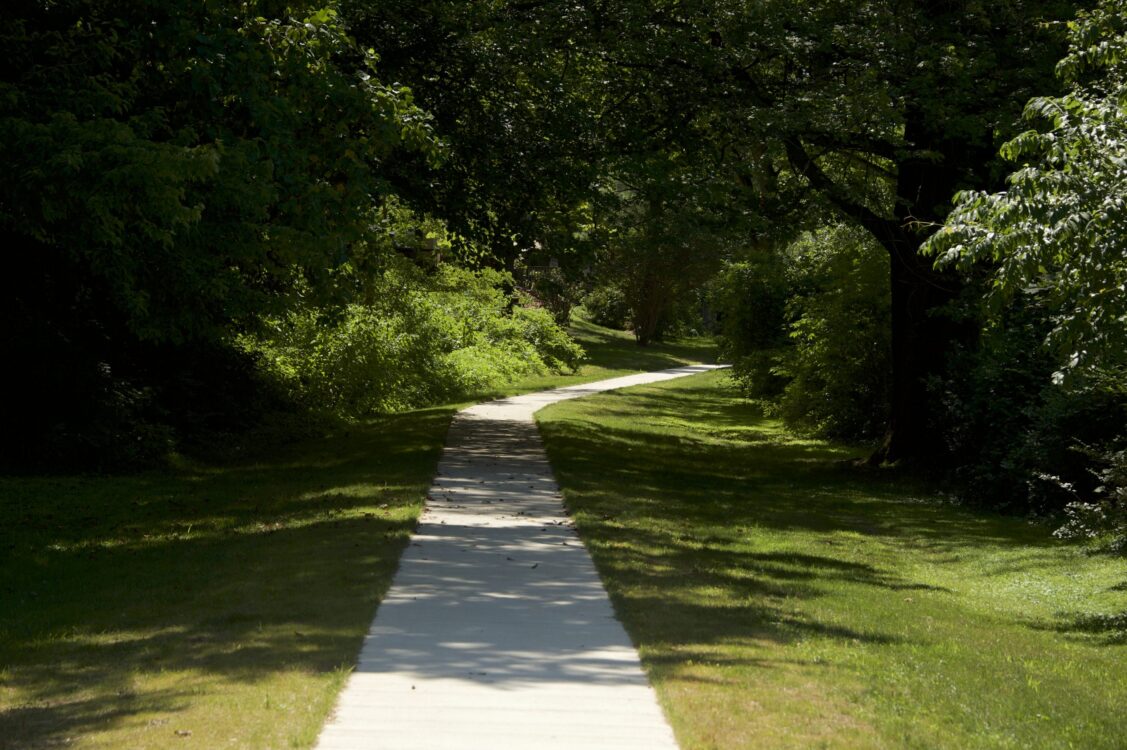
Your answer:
<point x="497" y="632"/>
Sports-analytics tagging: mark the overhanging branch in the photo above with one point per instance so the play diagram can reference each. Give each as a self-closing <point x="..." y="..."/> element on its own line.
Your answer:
<point x="800" y="160"/>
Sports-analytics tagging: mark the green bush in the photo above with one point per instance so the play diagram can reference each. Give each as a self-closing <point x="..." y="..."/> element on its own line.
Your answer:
<point x="553" y="290"/>
<point x="1103" y="518"/>
<point x="752" y="297"/>
<point x="552" y="345"/>
<point x="417" y="342"/>
<point x="170" y="170"/>
<point x="840" y="360"/>
<point x="807" y="332"/>
<point x="1016" y="441"/>
<point x="606" y="306"/>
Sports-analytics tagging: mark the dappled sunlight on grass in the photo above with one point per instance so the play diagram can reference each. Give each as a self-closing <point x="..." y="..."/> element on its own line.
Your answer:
<point x="221" y="600"/>
<point x="782" y="596"/>
<point x="227" y="597"/>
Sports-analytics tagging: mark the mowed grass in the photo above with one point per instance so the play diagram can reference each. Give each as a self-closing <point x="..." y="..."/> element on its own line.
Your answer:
<point x="612" y="353"/>
<point x="213" y="606"/>
<point x="782" y="598"/>
<point x="220" y="604"/>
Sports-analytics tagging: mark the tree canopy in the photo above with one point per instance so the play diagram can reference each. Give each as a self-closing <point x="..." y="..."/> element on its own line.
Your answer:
<point x="1056" y="233"/>
<point x="299" y="197"/>
<point x="182" y="164"/>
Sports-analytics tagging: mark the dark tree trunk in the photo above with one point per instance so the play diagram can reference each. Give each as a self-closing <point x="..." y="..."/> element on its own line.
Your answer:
<point x="922" y="335"/>
<point x="650" y="297"/>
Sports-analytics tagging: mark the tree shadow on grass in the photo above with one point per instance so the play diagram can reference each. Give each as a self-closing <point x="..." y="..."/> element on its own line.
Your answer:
<point x="1107" y="629"/>
<point x="667" y="514"/>
<point x="790" y="486"/>
<point x="239" y="571"/>
<point x="59" y="723"/>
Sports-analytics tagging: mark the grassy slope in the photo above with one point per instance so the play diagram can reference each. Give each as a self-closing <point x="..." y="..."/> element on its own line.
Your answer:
<point x="613" y="353"/>
<point x="226" y="600"/>
<point x="781" y="599"/>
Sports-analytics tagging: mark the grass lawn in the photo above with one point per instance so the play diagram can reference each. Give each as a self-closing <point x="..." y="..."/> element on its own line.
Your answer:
<point x="225" y="599"/>
<point x="612" y="353"/>
<point x="783" y="599"/>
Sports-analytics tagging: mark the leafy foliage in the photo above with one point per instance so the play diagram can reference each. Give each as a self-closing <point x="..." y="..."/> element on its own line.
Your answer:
<point x="1013" y="440"/>
<point x="190" y="160"/>
<point x="1105" y="518"/>
<point x="840" y="359"/>
<point x="606" y="306"/>
<point x="1050" y="248"/>
<point x="662" y="245"/>
<point x="510" y="92"/>
<point x="175" y="171"/>
<point x="753" y="294"/>
<point x="416" y="343"/>
<point x="1056" y="234"/>
<point x="552" y="288"/>
<point x="752" y="299"/>
<point x="807" y="331"/>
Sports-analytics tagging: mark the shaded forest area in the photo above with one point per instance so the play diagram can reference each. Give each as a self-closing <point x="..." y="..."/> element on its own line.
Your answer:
<point x="902" y="220"/>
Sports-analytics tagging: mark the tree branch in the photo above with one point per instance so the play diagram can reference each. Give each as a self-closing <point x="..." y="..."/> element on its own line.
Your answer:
<point x="883" y="229"/>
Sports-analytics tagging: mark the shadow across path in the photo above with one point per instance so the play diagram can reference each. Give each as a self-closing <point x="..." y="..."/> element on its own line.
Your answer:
<point x="497" y="631"/>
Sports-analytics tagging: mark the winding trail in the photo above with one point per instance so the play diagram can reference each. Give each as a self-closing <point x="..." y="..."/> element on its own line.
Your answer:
<point x="497" y="632"/>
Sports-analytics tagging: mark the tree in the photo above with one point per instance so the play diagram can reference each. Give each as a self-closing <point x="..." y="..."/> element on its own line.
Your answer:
<point x="509" y="97"/>
<point x="666" y="234"/>
<point x="1056" y="235"/>
<point x="190" y="158"/>
<point x="173" y="170"/>
<point x="876" y="110"/>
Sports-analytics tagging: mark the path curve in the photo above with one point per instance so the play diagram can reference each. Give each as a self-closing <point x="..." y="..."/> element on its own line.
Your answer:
<point x="497" y="632"/>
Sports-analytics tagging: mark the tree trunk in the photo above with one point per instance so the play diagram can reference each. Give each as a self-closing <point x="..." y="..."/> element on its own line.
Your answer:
<point x="920" y="340"/>
<point x="921" y="335"/>
<point x="649" y="298"/>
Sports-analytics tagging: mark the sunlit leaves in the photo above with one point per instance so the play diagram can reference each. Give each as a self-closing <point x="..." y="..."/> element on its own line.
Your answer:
<point x="1057" y="233"/>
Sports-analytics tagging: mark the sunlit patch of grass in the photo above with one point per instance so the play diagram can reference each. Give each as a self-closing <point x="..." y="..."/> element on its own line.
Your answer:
<point x="221" y="604"/>
<point x="612" y="353"/>
<point x="782" y="597"/>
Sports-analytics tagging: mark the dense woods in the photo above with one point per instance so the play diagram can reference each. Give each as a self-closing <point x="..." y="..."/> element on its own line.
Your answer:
<point x="903" y="220"/>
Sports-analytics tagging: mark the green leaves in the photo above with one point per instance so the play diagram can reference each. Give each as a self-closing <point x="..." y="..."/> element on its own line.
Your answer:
<point x="1057" y="233"/>
<point x="417" y="341"/>
<point x="191" y="160"/>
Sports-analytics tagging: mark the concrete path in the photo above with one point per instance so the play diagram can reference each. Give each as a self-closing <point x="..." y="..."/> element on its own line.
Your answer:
<point x="497" y="632"/>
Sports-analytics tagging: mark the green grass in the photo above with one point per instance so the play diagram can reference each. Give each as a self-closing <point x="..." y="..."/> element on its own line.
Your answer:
<point x="612" y="353"/>
<point x="226" y="598"/>
<point x="781" y="597"/>
<point x="225" y="601"/>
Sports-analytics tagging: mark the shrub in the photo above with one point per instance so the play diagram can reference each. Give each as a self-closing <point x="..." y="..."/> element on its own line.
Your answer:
<point x="807" y="330"/>
<point x="553" y="290"/>
<point x="606" y="306"/>
<point x="551" y="343"/>
<point x="1104" y="517"/>
<point x="840" y="358"/>
<point x="415" y="343"/>
<point x="1015" y="440"/>
<point x="751" y="296"/>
